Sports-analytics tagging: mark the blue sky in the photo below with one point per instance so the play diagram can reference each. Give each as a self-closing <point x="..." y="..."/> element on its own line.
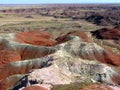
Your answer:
<point x="55" y="1"/>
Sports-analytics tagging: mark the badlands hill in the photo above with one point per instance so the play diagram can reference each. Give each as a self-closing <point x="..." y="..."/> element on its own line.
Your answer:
<point x="74" y="61"/>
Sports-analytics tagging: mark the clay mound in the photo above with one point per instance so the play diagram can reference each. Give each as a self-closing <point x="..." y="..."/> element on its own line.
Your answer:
<point x="75" y="48"/>
<point x="91" y="51"/>
<point x="35" y="38"/>
<point x="109" y="34"/>
<point x="7" y="55"/>
<point x="24" y="66"/>
<point x="16" y="47"/>
<point x="111" y="58"/>
<point x="67" y="37"/>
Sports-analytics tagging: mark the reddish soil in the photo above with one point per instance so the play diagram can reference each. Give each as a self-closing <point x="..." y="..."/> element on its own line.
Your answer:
<point x="66" y="37"/>
<point x="107" y="57"/>
<point x="35" y="38"/>
<point x="7" y="55"/>
<point x="33" y="53"/>
<point x="112" y="58"/>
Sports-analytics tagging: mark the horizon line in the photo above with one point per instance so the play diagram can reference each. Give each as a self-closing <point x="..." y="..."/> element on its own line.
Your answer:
<point x="54" y="3"/>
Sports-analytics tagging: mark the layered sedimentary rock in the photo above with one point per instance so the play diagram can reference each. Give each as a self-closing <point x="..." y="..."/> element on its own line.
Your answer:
<point x="12" y="47"/>
<point x="69" y="59"/>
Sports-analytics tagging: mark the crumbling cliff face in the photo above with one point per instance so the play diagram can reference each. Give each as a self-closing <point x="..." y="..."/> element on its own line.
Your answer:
<point x="71" y="58"/>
